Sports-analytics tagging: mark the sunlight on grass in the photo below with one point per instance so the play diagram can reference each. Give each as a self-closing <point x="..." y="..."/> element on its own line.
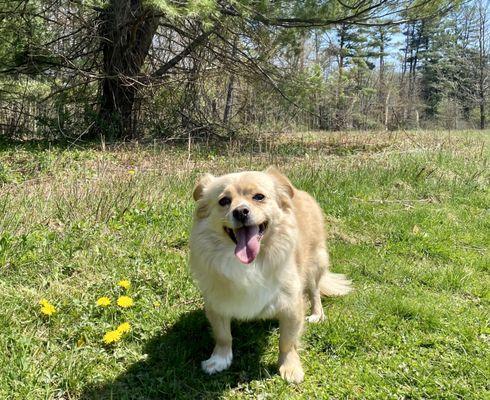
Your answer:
<point x="101" y="238"/>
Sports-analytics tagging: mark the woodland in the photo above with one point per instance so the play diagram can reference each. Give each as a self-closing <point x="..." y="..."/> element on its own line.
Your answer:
<point x="119" y="70"/>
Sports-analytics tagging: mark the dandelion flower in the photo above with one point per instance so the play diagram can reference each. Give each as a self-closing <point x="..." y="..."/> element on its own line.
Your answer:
<point x="124" y="284"/>
<point x="103" y="301"/>
<point x="131" y="172"/>
<point x="112" y="337"/>
<point x="124" y="301"/>
<point x="46" y="307"/>
<point x="156" y="304"/>
<point x="124" y="327"/>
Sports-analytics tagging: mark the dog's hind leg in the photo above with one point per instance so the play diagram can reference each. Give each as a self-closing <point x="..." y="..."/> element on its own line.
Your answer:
<point x="317" y="313"/>
<point x="222" y="353"/>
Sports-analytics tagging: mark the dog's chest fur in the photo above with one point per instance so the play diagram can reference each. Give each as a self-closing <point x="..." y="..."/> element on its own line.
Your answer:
<point x="240" y="291"/>
<point x="230" y="288"/>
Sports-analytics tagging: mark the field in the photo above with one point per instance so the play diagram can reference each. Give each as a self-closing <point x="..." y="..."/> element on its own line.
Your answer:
<point x="408" y="220"/>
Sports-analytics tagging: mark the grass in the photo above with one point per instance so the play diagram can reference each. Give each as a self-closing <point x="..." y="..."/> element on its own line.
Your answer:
<point x="408" y="220"/>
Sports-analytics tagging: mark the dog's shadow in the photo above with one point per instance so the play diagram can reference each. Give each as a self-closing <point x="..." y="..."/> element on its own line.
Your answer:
<point x="172" y="367"/>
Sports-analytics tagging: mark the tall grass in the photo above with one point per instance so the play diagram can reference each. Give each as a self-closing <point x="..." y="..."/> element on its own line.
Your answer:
<point x="407" y="218"/>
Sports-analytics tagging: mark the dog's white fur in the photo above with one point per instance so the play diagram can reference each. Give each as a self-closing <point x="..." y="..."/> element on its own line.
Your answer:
<point x="292" y="261"/>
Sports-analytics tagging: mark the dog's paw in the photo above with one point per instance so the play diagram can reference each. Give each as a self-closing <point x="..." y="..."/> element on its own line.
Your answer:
<point x="290" y="367"/>
<point x="217" y="363"/>
<point x="314" y="318"/>
<point x="292" y="372"/>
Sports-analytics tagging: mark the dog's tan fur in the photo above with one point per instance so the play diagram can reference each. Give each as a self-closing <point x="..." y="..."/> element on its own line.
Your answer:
<point x="292" y="261"/>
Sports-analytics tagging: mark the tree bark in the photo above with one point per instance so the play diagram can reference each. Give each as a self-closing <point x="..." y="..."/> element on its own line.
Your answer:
<point x="127" y="29"/>
<point x="382" y="98"/>
<point x="482" y="53"/>
<point x="386" y="110"/>
<point x="339" y="119"/>
<point x="230" y="89"/>
<point x="482" y="116"/>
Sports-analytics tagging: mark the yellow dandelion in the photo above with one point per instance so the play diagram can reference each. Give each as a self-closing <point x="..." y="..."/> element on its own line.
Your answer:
<point x="46" y="307"/>
<point x="103" y="301"/>
<point x="125" y="301"/>
<point x="131" y="172"/>
<point x="112" y="337"/>
<point x="124" y="327"/>
<point x="124" y="284"/>
<point x="156" y="304"/>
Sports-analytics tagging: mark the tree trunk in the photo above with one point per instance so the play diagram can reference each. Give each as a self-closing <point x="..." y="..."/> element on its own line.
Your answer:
<point x="339" y="119"/>
<point x="482" y="51"/>
<point x="386" y="110"/>
<point x="382" y="98"/>
<point x="482" y="116"/>
<point x="230" y="89"/>
<point x="127" y="29"/>
<point x="229" y="100"/>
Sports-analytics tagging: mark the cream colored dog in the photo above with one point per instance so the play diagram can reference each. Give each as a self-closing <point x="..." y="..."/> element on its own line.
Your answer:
<point x="257" y="246"/>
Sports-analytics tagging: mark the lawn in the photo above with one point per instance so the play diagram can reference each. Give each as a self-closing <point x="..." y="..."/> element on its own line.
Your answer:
<point x="408" y="220"/>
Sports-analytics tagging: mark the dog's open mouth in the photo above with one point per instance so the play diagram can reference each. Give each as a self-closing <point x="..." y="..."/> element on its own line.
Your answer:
<point x="247" y="240"/>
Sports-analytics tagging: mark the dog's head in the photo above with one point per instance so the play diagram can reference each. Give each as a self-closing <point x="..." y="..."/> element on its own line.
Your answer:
<point x="242" y="208"/>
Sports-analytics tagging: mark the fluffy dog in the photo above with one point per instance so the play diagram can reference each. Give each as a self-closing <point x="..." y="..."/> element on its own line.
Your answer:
<point x="257" y="246"/>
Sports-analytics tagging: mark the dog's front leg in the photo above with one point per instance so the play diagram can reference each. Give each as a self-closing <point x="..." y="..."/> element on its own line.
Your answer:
<point x="222" y="353"/>
<point x="290" y="326"/>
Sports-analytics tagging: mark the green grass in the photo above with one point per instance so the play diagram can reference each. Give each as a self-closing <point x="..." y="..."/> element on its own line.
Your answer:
<point x="408" y="220"/>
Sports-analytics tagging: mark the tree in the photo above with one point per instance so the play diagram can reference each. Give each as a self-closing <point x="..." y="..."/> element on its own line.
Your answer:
<point x="453" y="63"/>
<point x="380" y="43"/>
<point x="127" y="28"/>
<point x="482" y="64"/>
<point x="100" y="58"/>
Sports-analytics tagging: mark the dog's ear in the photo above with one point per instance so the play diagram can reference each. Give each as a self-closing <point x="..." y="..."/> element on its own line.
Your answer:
<point x="203" y="181"/>
<point x="284" y="186"/>
<point x="202" y="210"/>
<point x="281" y="180"/>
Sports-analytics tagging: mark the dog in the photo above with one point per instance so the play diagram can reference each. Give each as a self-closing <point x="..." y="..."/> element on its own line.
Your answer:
<point x="257" y="247"/>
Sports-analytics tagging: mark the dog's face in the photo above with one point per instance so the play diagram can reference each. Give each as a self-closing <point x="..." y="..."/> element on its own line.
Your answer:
<point x="241" y="208"/>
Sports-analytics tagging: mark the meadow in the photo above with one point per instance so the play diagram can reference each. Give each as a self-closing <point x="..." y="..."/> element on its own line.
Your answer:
<point x="408" y="221"/>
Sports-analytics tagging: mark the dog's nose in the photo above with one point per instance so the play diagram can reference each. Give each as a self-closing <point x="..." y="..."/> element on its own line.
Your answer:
<point x="241" y="213"/>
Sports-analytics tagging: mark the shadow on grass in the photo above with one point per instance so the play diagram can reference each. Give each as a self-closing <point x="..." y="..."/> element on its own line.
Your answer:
<point x="172" y="368"/>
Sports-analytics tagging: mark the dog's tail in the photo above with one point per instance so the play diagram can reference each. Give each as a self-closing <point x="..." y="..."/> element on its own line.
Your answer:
<point x="335" y="284"/>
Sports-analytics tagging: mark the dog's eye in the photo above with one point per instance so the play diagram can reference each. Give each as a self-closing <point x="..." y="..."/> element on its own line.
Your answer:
<point x="224" y="201"/>
<point x="258" y="197"/>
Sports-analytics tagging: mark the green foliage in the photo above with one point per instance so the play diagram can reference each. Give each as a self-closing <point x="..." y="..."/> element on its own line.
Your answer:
<point x="198" y="9"/>
<point x="23" y="34"/>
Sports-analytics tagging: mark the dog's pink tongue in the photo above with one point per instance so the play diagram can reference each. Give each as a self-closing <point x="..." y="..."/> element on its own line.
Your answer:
<point x="248" y="245"/>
